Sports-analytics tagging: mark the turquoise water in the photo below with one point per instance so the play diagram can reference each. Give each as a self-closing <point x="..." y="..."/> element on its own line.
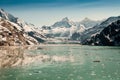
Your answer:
<point x="81" y="63"/>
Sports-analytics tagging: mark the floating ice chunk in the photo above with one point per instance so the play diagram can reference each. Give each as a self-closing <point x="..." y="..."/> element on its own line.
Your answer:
<point x="30" y="74"/>
<point x="93" y="73"/>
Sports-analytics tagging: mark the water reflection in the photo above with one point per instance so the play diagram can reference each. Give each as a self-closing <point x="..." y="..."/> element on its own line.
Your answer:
<point x="21" y="56"/>
<point x="60" y="63"/>
<point x="11" y="56"/>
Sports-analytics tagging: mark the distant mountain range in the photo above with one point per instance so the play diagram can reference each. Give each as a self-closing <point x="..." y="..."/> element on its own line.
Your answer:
<point x="66" y="28"/>
<point x="14" y="31"/>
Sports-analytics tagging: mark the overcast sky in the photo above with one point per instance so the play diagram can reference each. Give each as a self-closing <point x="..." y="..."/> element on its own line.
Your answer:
<point x="46" y="12"/>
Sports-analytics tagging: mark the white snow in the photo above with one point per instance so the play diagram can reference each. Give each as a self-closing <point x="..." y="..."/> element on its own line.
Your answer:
<point x="108" y="37"/>
<point x="59" y="30"/>
<point x="4" y="14"/>
<point x="25" y="26"/>
<point x="16" y="25"/>
<point x="63" y="29"/>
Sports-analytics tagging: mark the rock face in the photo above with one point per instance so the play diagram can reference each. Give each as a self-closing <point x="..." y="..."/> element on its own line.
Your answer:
<point x="87" y="34"/>
<point x="75" y="36"/>
<point x="7" y="16"/>
<point x="14" y="31"/>
<point x="109" y="36"/>
<point x="10" y="35"/>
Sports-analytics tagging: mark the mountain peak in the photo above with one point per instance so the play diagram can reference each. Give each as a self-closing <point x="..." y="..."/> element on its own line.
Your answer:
<point x="86" y="19"/>
<point x="110" y="20"/>
<point x="7" y="16"/>
<point x="3" y="14"/>
<point x="65" y="19"/>
<point x="1" y="10"/>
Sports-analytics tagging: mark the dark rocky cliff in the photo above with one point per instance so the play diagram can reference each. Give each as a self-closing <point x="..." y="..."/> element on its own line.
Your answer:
<point x="109" y="36"/>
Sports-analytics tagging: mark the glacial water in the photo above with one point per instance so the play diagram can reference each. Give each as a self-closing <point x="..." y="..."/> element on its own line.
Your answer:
<point x="65" y="62"/>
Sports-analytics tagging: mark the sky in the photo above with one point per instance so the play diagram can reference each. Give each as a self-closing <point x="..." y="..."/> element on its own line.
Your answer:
<point x="47" y="12"/>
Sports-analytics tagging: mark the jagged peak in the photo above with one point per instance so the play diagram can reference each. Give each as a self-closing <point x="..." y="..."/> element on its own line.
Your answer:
<point x="114" y="17"/>
<point x="65" y="19"/>
<point x="86" y="19"/>
<point x="110" y="20"/>
<point x="7" y="16"/>
<point x="1" y="10"/>
<point x="3" y="14"/>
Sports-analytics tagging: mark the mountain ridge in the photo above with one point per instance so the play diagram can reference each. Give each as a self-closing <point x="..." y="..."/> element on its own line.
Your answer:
<point x="109" y="36"/>
<point x="20" y="26"/>
<point x="15" y="31"/>
<point x="86" y="35"/>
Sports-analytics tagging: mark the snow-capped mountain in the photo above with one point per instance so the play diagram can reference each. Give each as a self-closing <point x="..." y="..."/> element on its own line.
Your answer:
<point x="66" y="28"/>
<point x="63" y="28"/>
<point x="87" y="34"/>
<point x="65" y="22"/>
<point x="29" y="33"/>
<point x="7" y="16"/>
<point x="88" y="23"/>
<point x="109" y="36"/>
<point x="11" y="34"/>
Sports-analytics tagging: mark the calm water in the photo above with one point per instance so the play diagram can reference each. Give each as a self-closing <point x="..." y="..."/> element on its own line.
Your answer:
<point x="67" y="62"/>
